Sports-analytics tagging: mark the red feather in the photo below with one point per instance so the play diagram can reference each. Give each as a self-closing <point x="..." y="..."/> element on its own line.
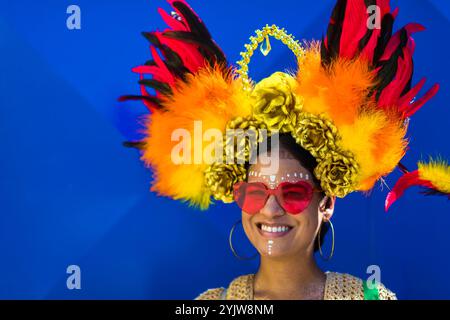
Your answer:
<point x="163" y="73"/>
<point x="406" y="99"/>
<point x="406" y="181"/>
<point x="391" y="94"/>
<point x="188" y="53"/>
<point x="394" y="42"/>
<point x="414" y="107"/>
<point x="354" y="28"/>
<point x="173" y="24"/>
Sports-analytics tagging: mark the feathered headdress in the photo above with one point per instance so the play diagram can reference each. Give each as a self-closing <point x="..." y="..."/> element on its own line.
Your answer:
<point x="348" y="104"/>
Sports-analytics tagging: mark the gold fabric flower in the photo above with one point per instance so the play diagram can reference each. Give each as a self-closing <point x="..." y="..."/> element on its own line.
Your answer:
<point x="337" y="173"/>
<point x="316" y="134"/>
<point x="221" y="177"/>
<point x="275" y="103"/>
<point x="242" y="137"/>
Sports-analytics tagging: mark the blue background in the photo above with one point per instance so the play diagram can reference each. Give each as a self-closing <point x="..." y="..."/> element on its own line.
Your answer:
<point x="71" y="194"/>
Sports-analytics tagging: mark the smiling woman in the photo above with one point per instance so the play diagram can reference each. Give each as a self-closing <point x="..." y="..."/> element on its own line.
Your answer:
<point x="341" y="121"/>
<point x="283" y="225"/>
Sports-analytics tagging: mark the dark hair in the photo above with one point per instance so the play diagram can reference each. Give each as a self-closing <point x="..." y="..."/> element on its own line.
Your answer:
<point x="287" y="142"/>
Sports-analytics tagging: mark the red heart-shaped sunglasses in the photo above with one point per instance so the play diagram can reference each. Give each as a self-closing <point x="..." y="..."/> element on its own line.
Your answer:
<point x="251" y="197"/>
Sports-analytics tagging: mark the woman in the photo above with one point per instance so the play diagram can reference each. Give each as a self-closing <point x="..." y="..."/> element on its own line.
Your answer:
<point x="343" y="117"/>
<point x="287" y="268"/>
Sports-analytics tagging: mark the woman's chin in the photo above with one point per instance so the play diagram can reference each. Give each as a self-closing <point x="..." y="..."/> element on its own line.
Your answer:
<point x="275" y="253"/>
<point x="274" y="248"/>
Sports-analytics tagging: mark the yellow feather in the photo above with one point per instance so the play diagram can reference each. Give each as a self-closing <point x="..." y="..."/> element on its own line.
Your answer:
<point x="339" y="91"/>
<point x="378" y="144"/>
<point x="437" y="172"/>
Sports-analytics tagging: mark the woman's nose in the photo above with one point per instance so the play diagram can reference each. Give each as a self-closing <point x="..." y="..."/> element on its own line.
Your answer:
<point x="272" y="208"/>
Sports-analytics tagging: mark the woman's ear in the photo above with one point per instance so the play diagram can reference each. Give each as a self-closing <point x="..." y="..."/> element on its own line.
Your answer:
<point x="326" y="207"/>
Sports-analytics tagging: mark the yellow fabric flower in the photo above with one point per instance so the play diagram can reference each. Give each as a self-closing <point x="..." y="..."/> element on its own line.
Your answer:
<point x="275" y="103"/>
<point x="316" y="134"/>
<point x="337" y="173"/>
<point x="242" y="136"/>
<point x="240" y="145"/>
<point x="221" y="177"/>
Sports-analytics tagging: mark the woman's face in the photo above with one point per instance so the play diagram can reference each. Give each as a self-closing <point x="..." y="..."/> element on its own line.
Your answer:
<point x="301" y="228"/>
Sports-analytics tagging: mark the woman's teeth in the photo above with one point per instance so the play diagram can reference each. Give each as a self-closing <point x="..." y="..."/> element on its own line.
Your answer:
<point x="267" y="228"/>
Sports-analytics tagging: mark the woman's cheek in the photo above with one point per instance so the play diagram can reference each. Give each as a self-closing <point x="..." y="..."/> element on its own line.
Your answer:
<point x="247" y="225"/>
<point x="306" y="227"/>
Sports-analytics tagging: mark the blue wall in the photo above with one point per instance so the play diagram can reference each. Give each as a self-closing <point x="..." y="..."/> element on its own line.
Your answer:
<point x="71" y="194"/>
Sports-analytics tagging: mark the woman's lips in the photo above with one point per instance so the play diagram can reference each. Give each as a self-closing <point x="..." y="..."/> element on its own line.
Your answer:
<point x="273" y="231"/>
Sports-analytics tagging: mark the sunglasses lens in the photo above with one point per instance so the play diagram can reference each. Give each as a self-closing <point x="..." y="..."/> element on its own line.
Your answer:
<point x="250" y="197"/>
<point x="295" y="197"/>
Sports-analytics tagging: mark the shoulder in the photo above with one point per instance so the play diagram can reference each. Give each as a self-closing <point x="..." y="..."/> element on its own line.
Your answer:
<point x="343" y="286"/>
<point x="240" y="288"/>
<point x="211" y="294"/>
<point x="385" y="293"/>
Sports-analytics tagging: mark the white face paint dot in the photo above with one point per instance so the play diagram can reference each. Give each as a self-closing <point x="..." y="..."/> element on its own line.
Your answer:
<point x="269" y="246"/>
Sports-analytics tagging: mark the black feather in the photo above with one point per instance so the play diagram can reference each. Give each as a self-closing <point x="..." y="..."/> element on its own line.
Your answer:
<point x="212" y="51"/>
<point x="200" y="31"/>
<point x="195" y="25"/>
<point x="150" y="63"/>
<point x="154" y="100"/>
<point x="334" y="31"/>
<point x="402" y="167"/>
<point x="134" y="144"/>
<point x="325" y="57"/>
<point x="171" y="56"/>
<point x="172" y="60"/>
<point x="387" y="25"/>
<point x="434" y="192"/>
<point x="365" y="40"/>
<point x="152" y="38"/>
<point x="174" y="63"/>
<point x="159" y="86"/>
<point x="389" y="68"/>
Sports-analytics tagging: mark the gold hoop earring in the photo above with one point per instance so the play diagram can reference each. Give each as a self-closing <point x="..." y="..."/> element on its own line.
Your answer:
<point x="230" y="241"/>
<point x="332" y="243"/>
